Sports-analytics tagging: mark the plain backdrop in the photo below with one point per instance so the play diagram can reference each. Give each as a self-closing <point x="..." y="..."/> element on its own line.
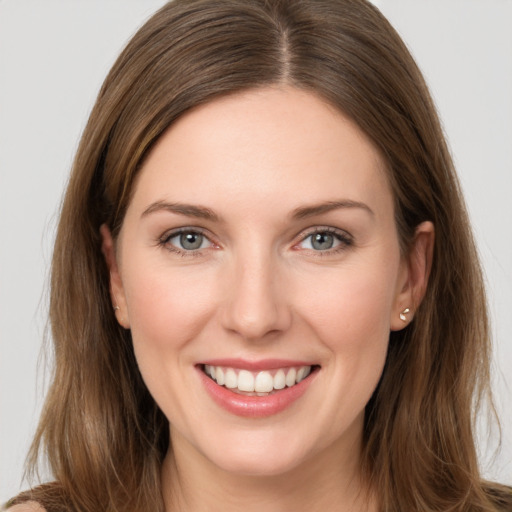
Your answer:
<point x="53" y="58"/>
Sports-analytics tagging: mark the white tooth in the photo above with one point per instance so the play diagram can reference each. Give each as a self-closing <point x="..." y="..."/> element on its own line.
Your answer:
<point x="207" y="369"/>
<point x="279" y="380"/>
<point x="231" y="380"/>
<point x="300" y="374"/>
<point x="245" y="381"/>
<point x="219" y="376"/>
<point x="290" y="377"/>
<point x="307" y="372"/>
<point x="264" y="382"/>
<point x="212" y="371"/>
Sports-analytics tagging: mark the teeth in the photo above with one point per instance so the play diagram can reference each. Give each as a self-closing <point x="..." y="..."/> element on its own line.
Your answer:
<point x="219" y="376"/>
<point x="231" y="380"/>
<point x="291" y="377"/>
<point x="260" y="383"/>
<point x="245" y="380"/>
<point x="264" y="383"/>
<point x="279" y="380"/>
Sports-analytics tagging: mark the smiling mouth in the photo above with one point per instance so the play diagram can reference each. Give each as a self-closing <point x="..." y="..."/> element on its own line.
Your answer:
<point x="262" y="383"/>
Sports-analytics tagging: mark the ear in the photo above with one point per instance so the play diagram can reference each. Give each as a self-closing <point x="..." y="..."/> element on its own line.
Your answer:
<point x="414" y="274"/>
<point x="117" y="294"/>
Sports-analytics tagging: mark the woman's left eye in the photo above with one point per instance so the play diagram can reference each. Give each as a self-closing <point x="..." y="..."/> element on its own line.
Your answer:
<point x="186" y="241"/>
<point x="323" y="241"/>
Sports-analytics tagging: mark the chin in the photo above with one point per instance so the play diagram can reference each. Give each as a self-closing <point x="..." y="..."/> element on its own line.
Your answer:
<point x="258" y="455"/>
<point x="257" y="466"/>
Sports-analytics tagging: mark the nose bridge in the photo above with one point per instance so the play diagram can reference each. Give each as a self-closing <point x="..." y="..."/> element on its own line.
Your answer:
<point x="256" y="303"/>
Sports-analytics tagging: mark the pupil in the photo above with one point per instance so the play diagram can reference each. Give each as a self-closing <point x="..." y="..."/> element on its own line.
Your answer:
<point x="191" y="241"/>
<point x="322" y="241"/>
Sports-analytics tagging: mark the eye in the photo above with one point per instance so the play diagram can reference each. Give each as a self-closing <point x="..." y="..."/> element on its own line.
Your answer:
<point x="187" y="240"/>
<point x="325" y="240"/>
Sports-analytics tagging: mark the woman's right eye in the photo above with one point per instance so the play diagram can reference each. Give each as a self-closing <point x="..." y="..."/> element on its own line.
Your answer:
<point x="186" y="241"/>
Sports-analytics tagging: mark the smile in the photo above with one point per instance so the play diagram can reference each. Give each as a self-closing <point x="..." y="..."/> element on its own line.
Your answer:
<point x="261" y="383"/>
<point x="256" y="390"/>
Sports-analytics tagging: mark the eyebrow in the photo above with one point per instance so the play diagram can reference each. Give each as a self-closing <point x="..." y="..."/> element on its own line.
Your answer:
<point x="188" y="210"/>
<point x="318" y="209"/>
<point x="202" y="212"/>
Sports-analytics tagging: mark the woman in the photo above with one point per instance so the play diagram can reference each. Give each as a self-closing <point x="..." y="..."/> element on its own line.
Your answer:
<point x="264" y="286"/>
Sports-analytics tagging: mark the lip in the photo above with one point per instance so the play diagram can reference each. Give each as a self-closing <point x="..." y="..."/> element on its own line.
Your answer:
<point x="255" y="406"/>
<point x="255" y="366"/>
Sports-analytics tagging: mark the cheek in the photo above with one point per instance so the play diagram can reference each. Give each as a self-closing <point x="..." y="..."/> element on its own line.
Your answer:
<point x="352" y="308"/>
<point x="166" y="308"/>
<point x="351" y="317"/>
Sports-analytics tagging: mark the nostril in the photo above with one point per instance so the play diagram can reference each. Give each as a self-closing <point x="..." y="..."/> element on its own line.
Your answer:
<point x="254" y="321"/>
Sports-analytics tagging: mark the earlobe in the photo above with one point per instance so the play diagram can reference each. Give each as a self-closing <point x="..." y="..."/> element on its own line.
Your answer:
<point x="417" y="271"/>
<point x="117" y="295"/>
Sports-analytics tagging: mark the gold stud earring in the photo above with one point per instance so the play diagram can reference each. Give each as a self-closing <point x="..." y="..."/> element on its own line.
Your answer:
<point x="403" y="313"/>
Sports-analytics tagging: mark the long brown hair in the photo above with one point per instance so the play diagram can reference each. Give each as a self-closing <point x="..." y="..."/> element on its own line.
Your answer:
<point x="101" y="431"/>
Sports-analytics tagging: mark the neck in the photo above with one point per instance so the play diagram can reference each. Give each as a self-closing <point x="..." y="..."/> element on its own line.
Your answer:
<point x="325" y="482"/>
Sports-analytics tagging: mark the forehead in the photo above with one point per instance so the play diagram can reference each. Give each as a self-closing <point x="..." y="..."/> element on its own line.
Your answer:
<point x="277" y="146"/>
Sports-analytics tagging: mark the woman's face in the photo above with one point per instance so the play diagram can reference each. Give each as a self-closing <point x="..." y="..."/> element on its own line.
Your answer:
<point x="260" y="247"/>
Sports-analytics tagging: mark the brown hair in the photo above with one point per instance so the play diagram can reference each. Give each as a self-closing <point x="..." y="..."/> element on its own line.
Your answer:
<point x="102" y="432"/>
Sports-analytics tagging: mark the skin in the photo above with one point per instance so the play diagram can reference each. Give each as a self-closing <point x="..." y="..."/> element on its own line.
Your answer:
<point x="29" y="506"/>
<point x="257" y="289"/>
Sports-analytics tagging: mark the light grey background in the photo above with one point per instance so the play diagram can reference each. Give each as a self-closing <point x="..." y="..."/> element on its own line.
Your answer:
<point x="53" y="58"/>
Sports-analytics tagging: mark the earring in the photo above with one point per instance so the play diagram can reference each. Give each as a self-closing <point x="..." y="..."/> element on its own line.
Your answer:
<point x="403" y="313"/>
<point x="116" y="308"/>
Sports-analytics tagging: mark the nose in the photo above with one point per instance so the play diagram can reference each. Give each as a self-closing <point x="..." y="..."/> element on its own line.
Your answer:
<point x="256" y="305"/>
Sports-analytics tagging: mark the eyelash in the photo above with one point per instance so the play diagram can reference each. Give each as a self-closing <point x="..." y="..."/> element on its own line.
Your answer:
<point x="344" y="239"/>
<point x="164" y="241"/>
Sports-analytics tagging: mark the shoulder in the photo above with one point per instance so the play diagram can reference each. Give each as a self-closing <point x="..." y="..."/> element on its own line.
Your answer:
<point x="47" y="497"/>
<point x="28" y="506"/>
<point x="500" y="496"/>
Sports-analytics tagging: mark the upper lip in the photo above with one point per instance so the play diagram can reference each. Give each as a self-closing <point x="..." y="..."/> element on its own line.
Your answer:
<point x="256" y="365"/>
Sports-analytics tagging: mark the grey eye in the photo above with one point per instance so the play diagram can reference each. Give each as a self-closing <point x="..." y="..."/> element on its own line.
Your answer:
<point x="191" y="241"/>
<point x="322" y="241"/>
<point x="187" y="241"/>
<point x="325" y="241"/>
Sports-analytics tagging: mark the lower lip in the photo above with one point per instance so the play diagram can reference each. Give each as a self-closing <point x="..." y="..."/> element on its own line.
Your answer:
<point x="254" y="406"/>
